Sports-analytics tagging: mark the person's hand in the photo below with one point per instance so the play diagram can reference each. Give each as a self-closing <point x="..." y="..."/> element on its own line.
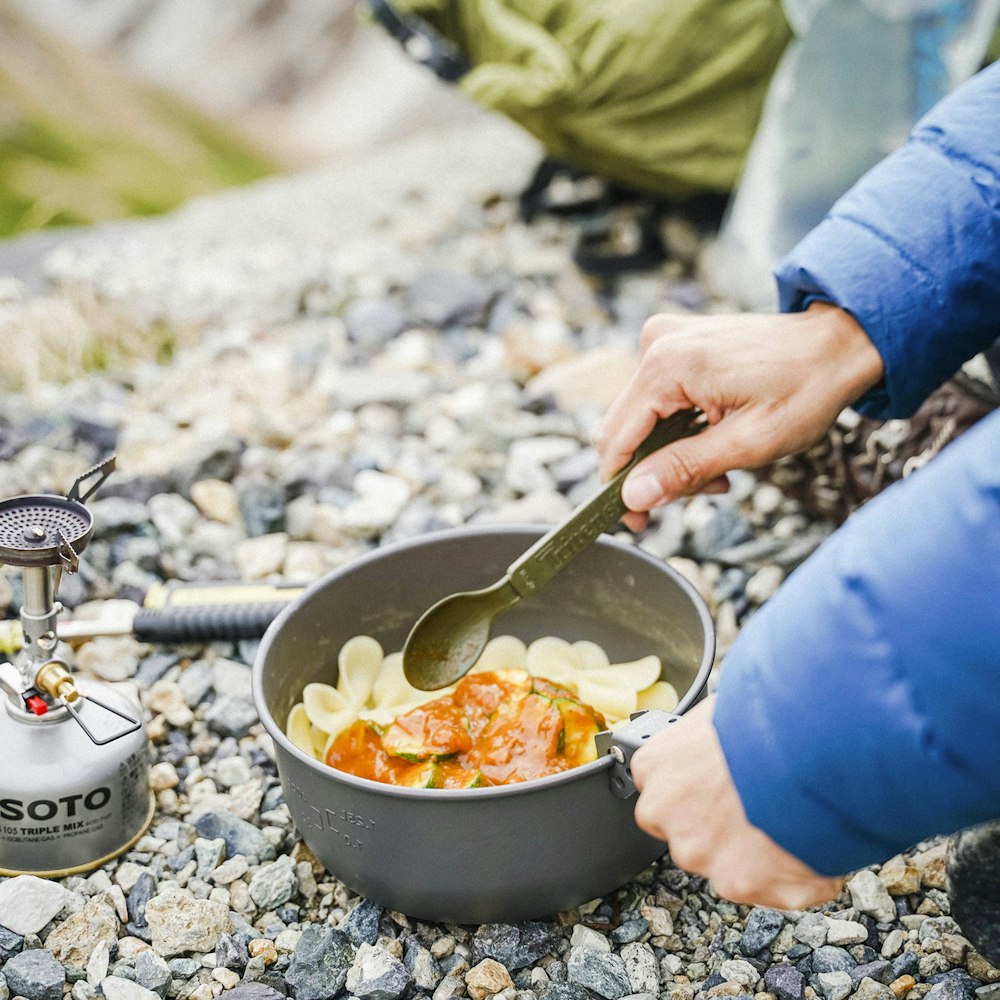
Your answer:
<point x="687" y="798"/>
<point x="769" y="386"/>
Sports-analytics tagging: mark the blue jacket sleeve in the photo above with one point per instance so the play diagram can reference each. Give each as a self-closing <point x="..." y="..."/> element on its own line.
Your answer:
<point x="912" y="251"/>
<point x="859" y="711"/>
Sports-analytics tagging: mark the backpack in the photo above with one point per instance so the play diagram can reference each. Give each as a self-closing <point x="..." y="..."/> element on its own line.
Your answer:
<point x="662" y="96"/>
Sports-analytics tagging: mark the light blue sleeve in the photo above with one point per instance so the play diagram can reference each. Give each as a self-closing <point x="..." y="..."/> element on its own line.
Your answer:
<point x="912" y="251"/>
<point x="859" y="710"/>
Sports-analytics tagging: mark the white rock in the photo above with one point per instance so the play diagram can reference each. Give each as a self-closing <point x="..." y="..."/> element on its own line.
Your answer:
<point x="870" y="896"/>
<point x="764" y="583"/>
<point x="28" y="903"/>
<point x="97" y="964"/>
<point x="893" y="943"/>
<point x="216" y="499"/>
<point x="166" y="698"/>
<point x="587" y="939"/>
<point x="735" y="970"/>
<point x="641" y="968"/>
<point x="163" y="775"/>
<point x="661" y="924"/>
<point x="845" y="932"/>
<point x="232" y="678"/>
<point x="381" y="499"/>
<point x="227" y="977"/>
<point x="128" y="872"/>
<point x="593" y="378"/>
<point x="117" y="988"/>
<point x="232" y="771"/>
<point x="114" y="658"/>
<point x="180" y="923"/>
<point x="258" y="557"/>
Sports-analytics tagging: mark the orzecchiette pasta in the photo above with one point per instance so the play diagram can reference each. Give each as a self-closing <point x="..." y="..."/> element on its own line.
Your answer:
<point x="372" y="686"/>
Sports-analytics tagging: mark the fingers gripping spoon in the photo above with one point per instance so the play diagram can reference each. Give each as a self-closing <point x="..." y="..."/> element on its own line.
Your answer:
<point x="449" y="637"/>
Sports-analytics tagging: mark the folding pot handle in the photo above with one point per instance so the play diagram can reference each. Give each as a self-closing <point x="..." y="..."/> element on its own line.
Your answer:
<point x="624" y="742"/>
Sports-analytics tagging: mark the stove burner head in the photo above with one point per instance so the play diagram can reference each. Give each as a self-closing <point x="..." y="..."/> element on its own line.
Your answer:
<point x="37" y="530"/>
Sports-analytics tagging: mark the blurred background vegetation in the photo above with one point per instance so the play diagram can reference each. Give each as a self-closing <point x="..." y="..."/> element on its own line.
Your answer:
<point x="116" y="108"/>
<point x="81" y="142"/>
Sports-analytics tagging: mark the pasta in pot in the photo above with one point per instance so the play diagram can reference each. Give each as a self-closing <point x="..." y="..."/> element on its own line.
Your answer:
<point x="552" y="688"/>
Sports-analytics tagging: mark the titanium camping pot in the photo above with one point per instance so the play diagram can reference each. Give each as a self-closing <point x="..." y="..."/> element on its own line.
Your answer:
<point x="495" y="854"/>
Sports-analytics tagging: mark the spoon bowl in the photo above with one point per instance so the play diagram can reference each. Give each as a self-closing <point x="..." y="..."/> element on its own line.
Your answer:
<point x="451" y="635"/>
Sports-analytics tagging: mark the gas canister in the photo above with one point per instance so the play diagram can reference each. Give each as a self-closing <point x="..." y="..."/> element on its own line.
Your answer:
<point x="75" y="787"/>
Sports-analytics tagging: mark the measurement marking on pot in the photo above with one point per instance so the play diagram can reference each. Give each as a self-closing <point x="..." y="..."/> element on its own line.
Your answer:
<point x="333" y="821"/>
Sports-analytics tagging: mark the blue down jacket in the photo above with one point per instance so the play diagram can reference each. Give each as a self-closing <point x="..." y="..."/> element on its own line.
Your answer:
<point x="859" y="711"/>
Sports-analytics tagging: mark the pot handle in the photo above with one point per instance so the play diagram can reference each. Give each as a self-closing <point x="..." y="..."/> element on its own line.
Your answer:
<point x="624" y="742"/>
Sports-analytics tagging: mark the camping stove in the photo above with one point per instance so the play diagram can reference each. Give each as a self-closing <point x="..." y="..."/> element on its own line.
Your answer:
<point x="74" y="790"/>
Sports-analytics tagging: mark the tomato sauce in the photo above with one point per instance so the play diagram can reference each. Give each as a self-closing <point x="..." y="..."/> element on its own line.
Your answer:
<point x="494" y="729"/>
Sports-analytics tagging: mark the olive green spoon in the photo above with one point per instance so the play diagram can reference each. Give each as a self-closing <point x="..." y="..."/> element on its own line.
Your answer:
<point x="449" y="637"/>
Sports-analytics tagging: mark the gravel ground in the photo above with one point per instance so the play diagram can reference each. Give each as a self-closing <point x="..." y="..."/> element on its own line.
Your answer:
<point x="347" y="375"/>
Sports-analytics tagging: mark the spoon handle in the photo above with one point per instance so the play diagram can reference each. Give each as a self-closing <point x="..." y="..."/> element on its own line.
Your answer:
<point x="565" y="542"/>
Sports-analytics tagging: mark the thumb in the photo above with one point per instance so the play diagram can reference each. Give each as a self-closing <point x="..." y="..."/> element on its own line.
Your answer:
<point x="684" y="467"/>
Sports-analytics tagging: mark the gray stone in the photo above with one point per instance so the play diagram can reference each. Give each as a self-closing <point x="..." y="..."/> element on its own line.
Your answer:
<point x="231" y="954"/>
<point x="564" y="991"/>
<point x="810" y="929"/>
<point x="784" y="981"/>
<point x="254" y="991"/>
<point x="28" y="903"/>
<point x="208" y="855"/>
<point x="879" y="970"/>
<point x="274" y="884"/>
<point x="183" y="968"/>
<point x="906" y="964"/>
<point x="319" y="966"/>
<point x="231" y="715"/>
<point x="361" y="925"/>
<point x="240" y="837"/>
<point x="831" y="959"/>
<point x="35" y="975"/>
<point x="722" y="529"/>
<point x="422" y="966"/>
<point x="868" y="989"/>
<point x="630" y="930"/>
<point x="195" y="682"/>
<point x="10" y="944"/>
<point x="139" y="895"/>
<point x="450" y="988"/>
<point x="376" y="975"/>
<point x="152" y="972"/>
<point x="603" y="973"/>
<point x="762" y="928"/>
<point x="438" y="298"/>
<point x="517" y="947"/>
<point x="373" y="323"/>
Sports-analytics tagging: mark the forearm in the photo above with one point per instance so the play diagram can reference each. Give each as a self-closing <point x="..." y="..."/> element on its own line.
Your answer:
<point x="886" y="637"/>
<point x="913" y="250"/>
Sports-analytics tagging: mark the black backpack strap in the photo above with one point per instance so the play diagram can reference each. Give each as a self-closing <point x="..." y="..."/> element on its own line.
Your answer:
<point x="421" y="42"/>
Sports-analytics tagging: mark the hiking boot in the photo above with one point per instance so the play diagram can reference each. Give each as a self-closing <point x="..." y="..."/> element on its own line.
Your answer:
<point x="973" y="874"/>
